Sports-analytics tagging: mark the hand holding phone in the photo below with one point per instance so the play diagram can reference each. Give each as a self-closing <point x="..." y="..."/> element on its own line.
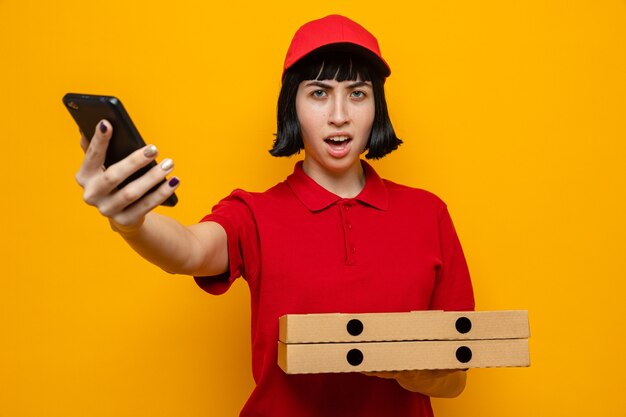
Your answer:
<point x="89" y="110"/>
<point x="123" y="188"/>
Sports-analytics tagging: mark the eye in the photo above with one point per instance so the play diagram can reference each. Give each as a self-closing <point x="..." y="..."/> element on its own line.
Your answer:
<point x="357" y="94"/>
<point x="319" y="93"/>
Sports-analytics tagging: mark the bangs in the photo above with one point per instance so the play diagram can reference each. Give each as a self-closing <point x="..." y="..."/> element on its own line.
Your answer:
<point x="334" y="66"/>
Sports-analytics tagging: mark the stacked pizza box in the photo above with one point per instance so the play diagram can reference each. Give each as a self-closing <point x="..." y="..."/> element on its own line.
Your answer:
<point x="319" y="343"/>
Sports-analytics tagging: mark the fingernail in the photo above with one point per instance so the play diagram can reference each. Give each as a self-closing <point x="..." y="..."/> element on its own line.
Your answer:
<point x="103" y="127"/>
<point x="167" y="164"/>
<point x="173" y="182"/>
<point x="150" y="151"/>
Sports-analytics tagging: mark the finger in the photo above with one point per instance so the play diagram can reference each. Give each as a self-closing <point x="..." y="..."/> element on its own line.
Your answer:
<point x="99" y="185"/>
<point x="97" y="148"/>
<point x="136" y="189"/>
<point x="146" y="204"/>
<point x="117" y="173"/>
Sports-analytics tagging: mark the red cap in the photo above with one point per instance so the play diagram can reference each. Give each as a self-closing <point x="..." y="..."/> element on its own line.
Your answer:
<point x="335" y="32"/>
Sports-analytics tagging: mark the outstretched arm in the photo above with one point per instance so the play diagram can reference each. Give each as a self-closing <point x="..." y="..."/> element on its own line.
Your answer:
<point x="195" y="250"/>
<point x="198" y="250"/>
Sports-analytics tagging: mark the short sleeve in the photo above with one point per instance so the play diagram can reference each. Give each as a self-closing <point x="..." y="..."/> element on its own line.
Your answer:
<point x="235" y="215"/>
<point x="453" y="287"/>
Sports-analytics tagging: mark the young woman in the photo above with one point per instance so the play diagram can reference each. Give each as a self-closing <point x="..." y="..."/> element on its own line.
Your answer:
<point x="332" y="237"/>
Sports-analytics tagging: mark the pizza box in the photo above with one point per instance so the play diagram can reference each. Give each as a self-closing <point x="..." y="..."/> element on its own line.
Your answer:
<point x="399" y="356"/>
<point x="415" y="325"/>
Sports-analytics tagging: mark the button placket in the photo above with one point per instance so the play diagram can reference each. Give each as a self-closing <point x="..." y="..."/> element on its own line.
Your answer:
<point x="347" y="230"/>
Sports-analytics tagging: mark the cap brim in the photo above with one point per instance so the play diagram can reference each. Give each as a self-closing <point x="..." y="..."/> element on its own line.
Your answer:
<point x="379" y="64"/>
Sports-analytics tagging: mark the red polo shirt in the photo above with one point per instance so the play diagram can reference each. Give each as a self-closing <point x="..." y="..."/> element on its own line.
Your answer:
<point x="303" y="249"/>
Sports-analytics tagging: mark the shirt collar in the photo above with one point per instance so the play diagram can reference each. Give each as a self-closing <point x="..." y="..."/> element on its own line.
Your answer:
<point x="317" y="198"/>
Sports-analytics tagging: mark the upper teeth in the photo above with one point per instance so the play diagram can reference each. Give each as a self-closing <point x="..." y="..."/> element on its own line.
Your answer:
<point x="338" y="138"/>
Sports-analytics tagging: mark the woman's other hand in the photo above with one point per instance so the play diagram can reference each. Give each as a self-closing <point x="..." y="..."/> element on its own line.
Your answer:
<point x="446" y="383"/>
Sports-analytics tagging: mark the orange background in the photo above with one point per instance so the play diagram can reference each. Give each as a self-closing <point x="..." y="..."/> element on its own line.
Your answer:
<point x="512" y="112"/>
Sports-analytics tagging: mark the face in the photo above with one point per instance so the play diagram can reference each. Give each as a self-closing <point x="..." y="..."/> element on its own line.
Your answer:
<point x="335" y="118"/>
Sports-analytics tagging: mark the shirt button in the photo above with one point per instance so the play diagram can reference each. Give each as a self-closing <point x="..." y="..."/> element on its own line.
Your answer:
<point x="349" y="226"/>
<point x="353" y="249"/>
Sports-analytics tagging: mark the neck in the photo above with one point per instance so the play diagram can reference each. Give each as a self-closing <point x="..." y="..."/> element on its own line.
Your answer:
<point x="346" y="183"/>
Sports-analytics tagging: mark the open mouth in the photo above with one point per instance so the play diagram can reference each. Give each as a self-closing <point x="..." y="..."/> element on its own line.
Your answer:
<point x="338" y="145"/>
<point x="338" y="141"/>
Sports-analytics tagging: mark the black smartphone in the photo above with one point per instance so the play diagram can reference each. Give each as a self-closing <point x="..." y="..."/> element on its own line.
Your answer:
<point x="87" y="111"/>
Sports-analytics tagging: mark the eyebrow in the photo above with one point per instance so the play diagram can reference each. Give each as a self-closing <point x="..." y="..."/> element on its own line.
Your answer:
<point x="360" y="84"/>
<point x="356" y="84"/>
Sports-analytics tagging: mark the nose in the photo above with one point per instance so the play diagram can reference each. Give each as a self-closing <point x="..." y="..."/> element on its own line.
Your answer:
<point x="339" y="113"/>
